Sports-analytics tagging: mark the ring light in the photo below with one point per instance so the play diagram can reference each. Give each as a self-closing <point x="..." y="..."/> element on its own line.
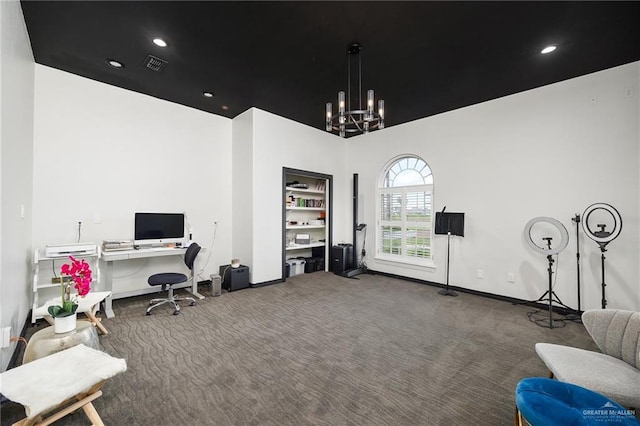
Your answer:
<point x="602" y="237"/>
<point x="550" y="296"/>
<point x="564" y="241"/>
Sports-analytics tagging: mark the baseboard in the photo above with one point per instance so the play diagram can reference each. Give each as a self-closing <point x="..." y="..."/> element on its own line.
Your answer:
<point x="265" y="283"/>
<point x="512" y="300"/>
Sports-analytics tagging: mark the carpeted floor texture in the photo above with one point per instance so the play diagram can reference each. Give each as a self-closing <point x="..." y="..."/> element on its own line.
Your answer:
<point x="321" y="350"/>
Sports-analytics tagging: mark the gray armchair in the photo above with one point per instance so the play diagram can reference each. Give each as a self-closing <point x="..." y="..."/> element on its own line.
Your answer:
<point x="615" y="372"/>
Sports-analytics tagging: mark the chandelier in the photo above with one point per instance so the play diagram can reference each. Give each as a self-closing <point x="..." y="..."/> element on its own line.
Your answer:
<point x="359" y="120"/>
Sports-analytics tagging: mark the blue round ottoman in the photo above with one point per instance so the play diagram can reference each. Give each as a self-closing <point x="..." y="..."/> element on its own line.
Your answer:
<point x="547" y="402"/>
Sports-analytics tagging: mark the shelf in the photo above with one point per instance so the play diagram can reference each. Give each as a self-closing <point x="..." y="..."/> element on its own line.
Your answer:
<point x="48" y="285"/>
<point x="306" y="208"/>
<point x="304" y="246"/>
<point x="305" y="226"/>
<point x="305" y="191"/>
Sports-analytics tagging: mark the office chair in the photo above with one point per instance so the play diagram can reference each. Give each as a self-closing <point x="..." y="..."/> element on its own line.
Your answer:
<point x="169" y="279"/>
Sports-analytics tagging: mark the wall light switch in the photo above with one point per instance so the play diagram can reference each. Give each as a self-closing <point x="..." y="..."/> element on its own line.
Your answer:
<point x="97" y="218"/>
<point x="480" y="274"/>
<point x="21" y="211"/>
<point x="511" y="277"/>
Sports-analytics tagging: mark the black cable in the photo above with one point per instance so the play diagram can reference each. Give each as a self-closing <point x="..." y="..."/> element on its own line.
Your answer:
<point x="79" y="230"/>
<point x="363" y="261"/>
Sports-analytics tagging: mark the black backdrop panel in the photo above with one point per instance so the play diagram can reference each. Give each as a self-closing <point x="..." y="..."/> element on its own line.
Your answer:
<point x="450" y="222"/>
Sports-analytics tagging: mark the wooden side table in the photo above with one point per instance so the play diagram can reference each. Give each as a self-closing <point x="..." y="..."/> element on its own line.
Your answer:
<point x="87" y="305"/>
<point x="46" y="342"/>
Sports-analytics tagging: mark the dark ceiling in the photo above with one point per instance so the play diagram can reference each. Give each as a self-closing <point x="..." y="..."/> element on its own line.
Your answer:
<point x="289" y="57"/>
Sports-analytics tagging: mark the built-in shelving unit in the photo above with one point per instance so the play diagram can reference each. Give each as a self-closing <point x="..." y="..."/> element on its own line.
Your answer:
<point x="43" y="287"/>
<point x="306" y="214"/>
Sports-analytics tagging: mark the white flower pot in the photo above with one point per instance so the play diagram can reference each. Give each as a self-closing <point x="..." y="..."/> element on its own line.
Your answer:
<point x="65" y="324"/>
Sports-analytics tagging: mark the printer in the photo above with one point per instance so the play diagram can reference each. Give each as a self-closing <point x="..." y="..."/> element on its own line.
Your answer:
<point x="79" y="249"/>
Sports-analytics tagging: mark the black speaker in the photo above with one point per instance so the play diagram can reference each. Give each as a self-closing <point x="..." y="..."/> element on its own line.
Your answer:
<point x="341" y="258"/>
<point x="234" y="278"/>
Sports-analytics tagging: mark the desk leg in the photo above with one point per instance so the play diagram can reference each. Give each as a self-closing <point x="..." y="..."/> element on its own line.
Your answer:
<point x="108" y="278"/>
<point x="194" y="287"/>
<point x="194" y="281"/>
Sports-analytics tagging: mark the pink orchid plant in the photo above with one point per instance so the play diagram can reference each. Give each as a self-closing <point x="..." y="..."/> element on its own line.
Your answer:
<point x="80" y="275"/>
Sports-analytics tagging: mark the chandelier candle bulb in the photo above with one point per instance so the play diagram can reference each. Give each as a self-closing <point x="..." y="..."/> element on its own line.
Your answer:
<point x="369" y="105"/>
<point x="329" y="115"/>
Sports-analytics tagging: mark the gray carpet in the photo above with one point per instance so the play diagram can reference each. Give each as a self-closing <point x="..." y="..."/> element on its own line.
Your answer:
<point x="322" y="350"/>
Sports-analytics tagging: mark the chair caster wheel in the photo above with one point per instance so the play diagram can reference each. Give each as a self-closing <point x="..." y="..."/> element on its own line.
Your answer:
<point x="176" y="312"/>
<point x="192" y="304"/>
<point x="148" y="313"/>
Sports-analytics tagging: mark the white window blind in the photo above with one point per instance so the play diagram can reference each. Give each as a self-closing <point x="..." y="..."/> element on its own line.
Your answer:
<point x="405" y="219"/>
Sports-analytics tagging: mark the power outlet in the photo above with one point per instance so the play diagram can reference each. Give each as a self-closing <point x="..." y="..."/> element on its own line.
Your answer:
<point x="6" y="337"/>
<point x="480" y="274"/>
<point x="511" y="277"/>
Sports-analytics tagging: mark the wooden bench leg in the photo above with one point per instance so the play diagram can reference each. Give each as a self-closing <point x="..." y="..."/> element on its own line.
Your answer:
<point x="92" y="414"/>
<point x="96" y="322"/>
<point x="84" y="401"/>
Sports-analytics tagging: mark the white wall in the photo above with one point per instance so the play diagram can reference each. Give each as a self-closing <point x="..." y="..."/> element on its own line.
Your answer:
<point x="102" y="153"/>
<point x="278" y="143"/>
<point x="550" y="151"/>
<point x="243" y="190"/>
<point x="16" y="147"/>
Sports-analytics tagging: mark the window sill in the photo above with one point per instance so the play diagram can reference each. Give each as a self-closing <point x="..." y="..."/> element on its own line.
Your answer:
<point x="405" y="263"/>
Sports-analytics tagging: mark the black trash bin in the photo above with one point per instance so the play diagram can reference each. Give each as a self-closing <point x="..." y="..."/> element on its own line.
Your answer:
<point x="310" y="265"/>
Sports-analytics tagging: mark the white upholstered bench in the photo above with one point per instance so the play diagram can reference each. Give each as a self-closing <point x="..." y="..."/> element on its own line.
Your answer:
<point x="60" y="384"/>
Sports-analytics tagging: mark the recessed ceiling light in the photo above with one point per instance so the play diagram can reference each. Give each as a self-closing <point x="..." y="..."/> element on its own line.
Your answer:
<point x="207" y="94"/>
<point x="548" y="49"/>
<point x="159" y="42"/>
<point x="115" y="64"/>
<point x="225" y="108"/>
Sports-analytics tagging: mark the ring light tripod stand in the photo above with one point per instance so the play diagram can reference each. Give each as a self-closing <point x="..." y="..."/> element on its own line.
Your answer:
<point x="550" y="296"/>
<point x="602" y="237"/>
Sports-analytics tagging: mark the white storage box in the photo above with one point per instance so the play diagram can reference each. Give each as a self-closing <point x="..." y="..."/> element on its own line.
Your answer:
<point x="296" y="266"/>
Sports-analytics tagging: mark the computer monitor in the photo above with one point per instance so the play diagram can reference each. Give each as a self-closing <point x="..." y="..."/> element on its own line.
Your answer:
<point x="159" y="228"/>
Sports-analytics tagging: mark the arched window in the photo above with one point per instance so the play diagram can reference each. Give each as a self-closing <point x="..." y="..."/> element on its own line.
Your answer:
<point x="405" y="209"/>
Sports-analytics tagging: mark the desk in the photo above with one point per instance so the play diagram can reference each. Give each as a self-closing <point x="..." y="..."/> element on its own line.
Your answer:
<point x="114" y="256"/>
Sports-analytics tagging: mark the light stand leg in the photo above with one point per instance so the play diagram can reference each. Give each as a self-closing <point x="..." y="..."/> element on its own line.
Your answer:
<point x="550" y="270"/>
<point x="604" y="300"/>
<point x="576" y="315"/>
<point x="445" y="291"/>
<point x="552" y="297"/>
<point x="577" y="220"/>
